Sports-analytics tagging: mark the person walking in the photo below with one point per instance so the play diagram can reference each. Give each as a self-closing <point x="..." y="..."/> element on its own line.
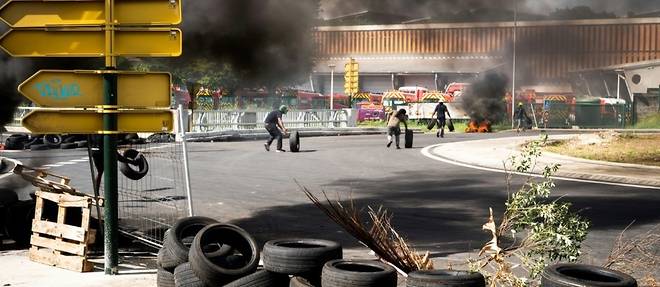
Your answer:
<point x="394" y="127"/>
<point x="521" y="117"/>
<point x="275" y="127"/>
<point x="441" y="110"/>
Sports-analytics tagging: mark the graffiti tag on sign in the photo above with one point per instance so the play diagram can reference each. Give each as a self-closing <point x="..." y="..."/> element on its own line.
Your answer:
<point x="58" y="90"/>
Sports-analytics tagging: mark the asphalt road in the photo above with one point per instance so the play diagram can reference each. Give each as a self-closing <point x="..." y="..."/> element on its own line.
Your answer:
<point x="437" y="206"/>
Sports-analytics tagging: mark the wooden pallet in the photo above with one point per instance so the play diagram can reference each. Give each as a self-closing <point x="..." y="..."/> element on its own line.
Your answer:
<point x="58" y="243"/>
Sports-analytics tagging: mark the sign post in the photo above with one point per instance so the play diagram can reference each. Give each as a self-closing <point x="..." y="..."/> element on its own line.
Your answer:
<point x="96" y="102"/>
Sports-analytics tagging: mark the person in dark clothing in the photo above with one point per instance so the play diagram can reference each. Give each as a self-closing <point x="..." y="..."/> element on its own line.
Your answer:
<point x="521" y="117"/>
<point x="275" y="127"/>
<point x="394" y="127"/>
<point x="441" y="110"/>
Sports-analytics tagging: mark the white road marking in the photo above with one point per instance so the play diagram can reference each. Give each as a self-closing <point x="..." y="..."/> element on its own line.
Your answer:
<point x="427" y="152"/>
<point x="52" y="165"/>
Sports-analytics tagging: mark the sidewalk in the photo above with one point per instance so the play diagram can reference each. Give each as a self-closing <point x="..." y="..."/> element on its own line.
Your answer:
<point x="18" y="270"/>
<point x="491" y="154"/>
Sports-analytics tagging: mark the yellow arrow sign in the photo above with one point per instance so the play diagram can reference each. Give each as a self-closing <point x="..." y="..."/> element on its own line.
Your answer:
<point x="91" y="122"/>
<point x="90" y="42"/>
<point x="30" y="14"/>
<point x="79" y="89"/>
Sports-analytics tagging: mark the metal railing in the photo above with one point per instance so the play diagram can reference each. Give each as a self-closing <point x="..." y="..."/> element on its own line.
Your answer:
<point x="216" y="121"/>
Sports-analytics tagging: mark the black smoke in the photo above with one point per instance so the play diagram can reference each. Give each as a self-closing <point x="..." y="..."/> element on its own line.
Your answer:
<point x="484" y="98"/>
<point x="266" y="42"/>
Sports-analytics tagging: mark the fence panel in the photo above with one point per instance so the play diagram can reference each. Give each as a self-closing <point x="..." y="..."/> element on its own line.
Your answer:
<point x="215" y="121"/>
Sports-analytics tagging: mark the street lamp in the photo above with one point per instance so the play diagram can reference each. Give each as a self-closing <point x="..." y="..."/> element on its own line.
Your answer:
<point x="332" y="86"/>
<point x="515" y="44"/>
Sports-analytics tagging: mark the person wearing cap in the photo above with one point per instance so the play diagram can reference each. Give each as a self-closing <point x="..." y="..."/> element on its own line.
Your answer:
<point x="441" y="110"/>
<point x="521" y="116"/>
<point x="394" y="127"/>
<point x="275" y="127"/>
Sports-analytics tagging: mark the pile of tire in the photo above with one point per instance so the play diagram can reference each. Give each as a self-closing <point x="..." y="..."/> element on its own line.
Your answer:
<point x="44" y="142"/>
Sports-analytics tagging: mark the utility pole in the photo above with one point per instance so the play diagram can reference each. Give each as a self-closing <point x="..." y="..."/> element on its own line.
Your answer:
<point x="515" y="46"/>
<point x="332" y="86"/>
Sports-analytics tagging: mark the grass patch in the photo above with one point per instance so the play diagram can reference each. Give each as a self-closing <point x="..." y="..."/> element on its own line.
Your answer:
<point x="650" y="122"/>
<point x="626" y="148"/>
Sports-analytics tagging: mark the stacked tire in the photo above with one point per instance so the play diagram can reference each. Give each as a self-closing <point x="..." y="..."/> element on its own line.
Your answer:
<point x="301" y="258"/>
<point x="442" y="278"/>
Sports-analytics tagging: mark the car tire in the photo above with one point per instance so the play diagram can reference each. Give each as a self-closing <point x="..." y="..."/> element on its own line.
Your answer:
<point x="184" y="276"/>
<point x="69" y="146"/>
<point x="166" y="260"/>
<point x="82" y="144"/>
<point x="300" y="282"/>
<point x="37" y="147"/>
<point x="15" y="143"/>
<point x="35" y="140"/>
<point x="137" y="159"/>
<point x="564" y="275"/>
<point x="261" y="278"/>
<point x="178" y="239"/>
<point x="440" y="278"/>
<point x="222" y="270"/>
<point x="164" y="278"/>
<point x="299" y="256"/>
<point x="294" y="142"/>
<point x="53" y="141"/>
<point x="341" y="273"/>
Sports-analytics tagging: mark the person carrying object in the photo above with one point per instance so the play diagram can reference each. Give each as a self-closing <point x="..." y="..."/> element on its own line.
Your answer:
<point x="441" y="110"/>
<point x="275" y="127"/>
<point x="394" y="126"/>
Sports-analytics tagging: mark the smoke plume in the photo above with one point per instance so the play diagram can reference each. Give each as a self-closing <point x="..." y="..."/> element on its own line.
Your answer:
<point x="266" y="41"/>
<point x="483" y="99"/>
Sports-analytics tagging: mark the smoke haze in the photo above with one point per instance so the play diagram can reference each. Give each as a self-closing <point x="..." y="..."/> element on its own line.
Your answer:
<point x="483" y="99"/>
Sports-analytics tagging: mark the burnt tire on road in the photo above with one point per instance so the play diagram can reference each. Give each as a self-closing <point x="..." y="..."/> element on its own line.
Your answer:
<point x="440" y="278"/>
<point x="569" y="275"/>
<point x="341" y="273"/>
<point x="216" y="271"/>
<point x="299" y="256"/>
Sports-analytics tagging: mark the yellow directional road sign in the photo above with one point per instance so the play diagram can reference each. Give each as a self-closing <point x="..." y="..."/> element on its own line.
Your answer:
<point x="79" y="89"/>
<point x="91" y="122"/>
<point x="90" y="42"/>
<point x="28" y="14"/>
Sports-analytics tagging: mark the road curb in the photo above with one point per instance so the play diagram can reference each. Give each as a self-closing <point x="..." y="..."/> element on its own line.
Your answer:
<point x="582" y="177"/>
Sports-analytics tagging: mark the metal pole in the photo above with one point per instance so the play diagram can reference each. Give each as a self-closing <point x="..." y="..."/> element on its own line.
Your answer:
<point x="184" y="145"/>
<point x="515" y="44"/>
<point x="332" y="86"/>
<point x="110" y="191"/>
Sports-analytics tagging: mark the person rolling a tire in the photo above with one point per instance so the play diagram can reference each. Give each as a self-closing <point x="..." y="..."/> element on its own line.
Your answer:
<point x="275" y="127"/>
<point x="394" y="127"/>
<point x="441" y="110"/>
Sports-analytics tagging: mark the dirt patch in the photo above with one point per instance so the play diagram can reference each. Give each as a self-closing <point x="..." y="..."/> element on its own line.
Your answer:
<point x="611" y="146"/>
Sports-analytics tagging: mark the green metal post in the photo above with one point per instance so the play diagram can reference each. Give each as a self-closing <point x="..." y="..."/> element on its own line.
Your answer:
<point x="110" y="211"/>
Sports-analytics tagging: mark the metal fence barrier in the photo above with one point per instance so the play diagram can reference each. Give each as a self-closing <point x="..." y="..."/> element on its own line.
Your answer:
<point x="583" y="115"/>
<point x="215" y="121"/>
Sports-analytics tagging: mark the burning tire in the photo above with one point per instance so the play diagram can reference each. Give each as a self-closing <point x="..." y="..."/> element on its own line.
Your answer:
<point x="184" y="276"/>
<point x="261" y="278"/>
<point x="409" y="139"/>
<point x="300" y="257"/>
<point x="134" y="158"/>
<point x="179" y="238"/>
<point x="439" y="278"/>
<point x="294" y="142"/>
<point x="340" y="273"/>
<point x="241" y="261"/>
<point x="565" y="275"/>
<point x="164" y="278"/>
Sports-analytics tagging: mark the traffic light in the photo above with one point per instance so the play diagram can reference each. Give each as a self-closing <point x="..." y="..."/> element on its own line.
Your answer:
<point x="351" y="77"/>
